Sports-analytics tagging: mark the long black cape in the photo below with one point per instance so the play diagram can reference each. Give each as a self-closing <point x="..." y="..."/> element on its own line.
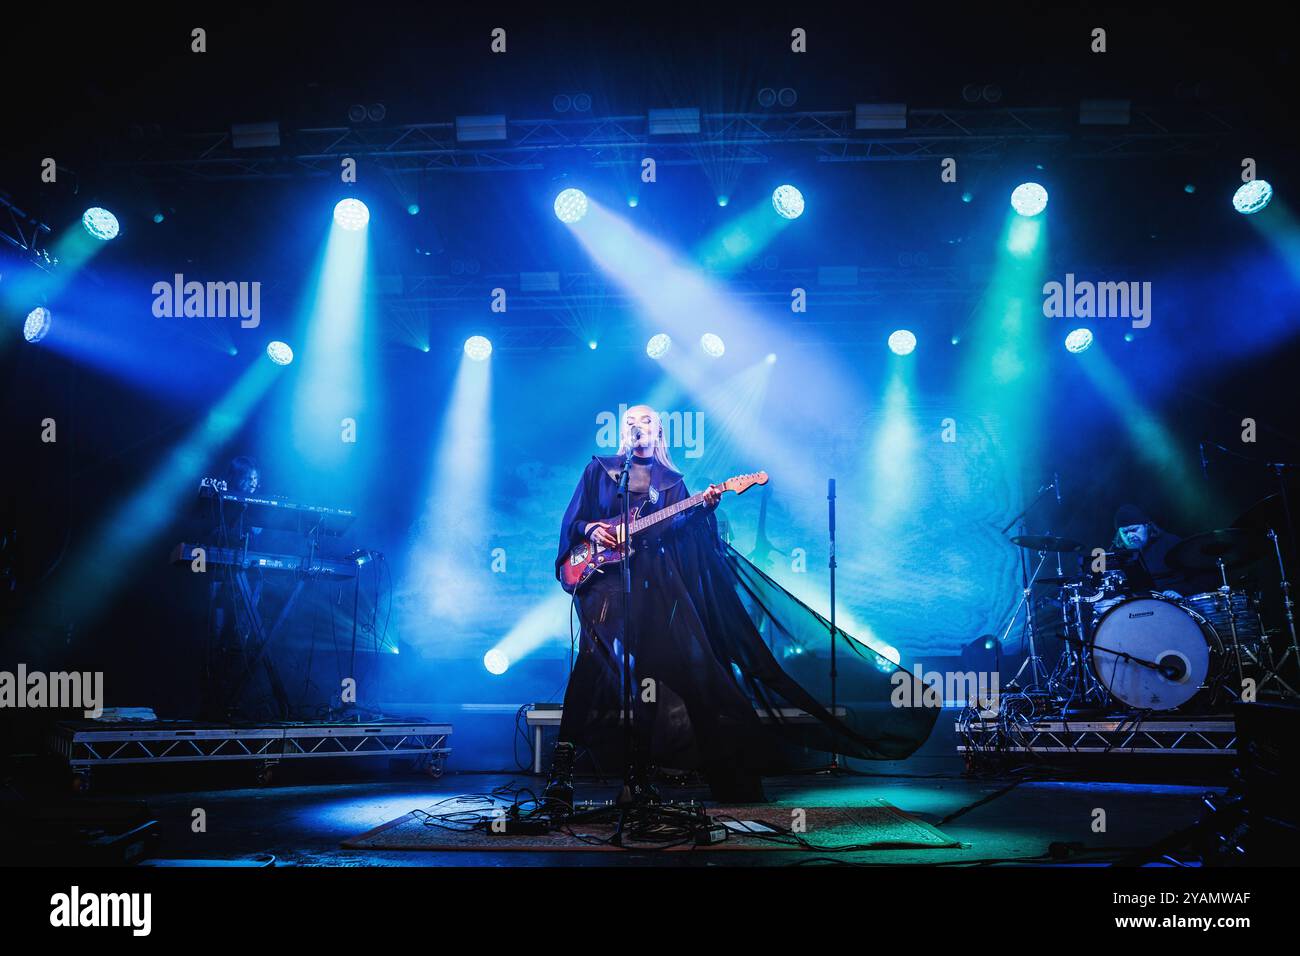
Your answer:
<point x="739" y="669"/>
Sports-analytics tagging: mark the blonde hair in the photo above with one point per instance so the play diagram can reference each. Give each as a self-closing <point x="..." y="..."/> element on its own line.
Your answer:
<point x="660" y="449"/>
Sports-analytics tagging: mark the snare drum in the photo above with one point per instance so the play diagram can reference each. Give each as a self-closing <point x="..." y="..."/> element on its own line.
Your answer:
<point x="1146" y="629"/>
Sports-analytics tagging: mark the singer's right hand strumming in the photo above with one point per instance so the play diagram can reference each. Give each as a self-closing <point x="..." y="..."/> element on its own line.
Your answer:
<point x="602" y="533"/>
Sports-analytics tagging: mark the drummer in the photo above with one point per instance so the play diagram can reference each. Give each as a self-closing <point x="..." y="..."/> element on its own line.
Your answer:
<point x="1151" y="544"/>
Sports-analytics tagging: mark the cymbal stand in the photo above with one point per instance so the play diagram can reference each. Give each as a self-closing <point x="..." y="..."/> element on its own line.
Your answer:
<point x="1038" y="676"/>
<point x="1037" y="671"/>
<point x="1288" y="611"/>
<point x="1226" y="590"/>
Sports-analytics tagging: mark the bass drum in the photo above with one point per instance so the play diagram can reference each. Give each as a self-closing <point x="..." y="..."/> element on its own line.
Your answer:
<point x="1151" y="629"/>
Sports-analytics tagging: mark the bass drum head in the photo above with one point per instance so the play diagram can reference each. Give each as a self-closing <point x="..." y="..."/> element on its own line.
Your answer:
<point x="1151" y="629"/>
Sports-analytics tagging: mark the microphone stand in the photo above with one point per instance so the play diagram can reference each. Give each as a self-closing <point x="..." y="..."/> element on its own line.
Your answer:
<point x="834" y="765"/>
<point x="632" y="791"/>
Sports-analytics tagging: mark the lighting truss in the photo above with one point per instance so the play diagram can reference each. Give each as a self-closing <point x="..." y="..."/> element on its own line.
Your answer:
<point x="745" y="138"/>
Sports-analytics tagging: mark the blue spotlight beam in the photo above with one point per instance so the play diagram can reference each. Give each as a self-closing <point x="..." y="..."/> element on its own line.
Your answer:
<point x="440" y="587"/>
<point x="100" y="564"/>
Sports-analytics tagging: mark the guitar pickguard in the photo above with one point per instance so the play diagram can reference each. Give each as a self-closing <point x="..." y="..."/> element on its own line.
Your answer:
<point x="587" y="559"/>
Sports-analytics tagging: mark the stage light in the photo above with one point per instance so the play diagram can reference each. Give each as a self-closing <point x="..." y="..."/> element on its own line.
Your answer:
<point x="771" y="358"/>
<point x="351" y="214"/>
<point x="658" y="345"/>
<point x="592" y="345"/>
<point x="279" y="353"/>
<point x="1078" y="341"/>
<point x="723" y="200"/>
<point x="570" y="205"/>
<point x="37" y="324"/>
<point x="496" y="662"/>
<point x="100" y="223"/>
<point x="902" y="342"/>
<point x="955" y="339"/>
<point x="413" y="209"/>
<point x="712" y="344"/>
<point x="478" y="348"/>
<point x="787" y="201"/>
<point x="967" y="196"/>
<point x="158" y="217"/>
<point x="1029" y="199"/>
<point x="1251" y="197"/>
<point x="632" y="201"/>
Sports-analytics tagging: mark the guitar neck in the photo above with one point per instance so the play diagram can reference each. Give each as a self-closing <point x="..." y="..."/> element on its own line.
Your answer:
<point x="640" y="524"/>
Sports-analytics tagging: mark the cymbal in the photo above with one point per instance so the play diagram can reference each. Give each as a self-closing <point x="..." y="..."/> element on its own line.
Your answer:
<point x="1044" y="542"/>
<point x="1064" y="579"/>
<point x="1264" y="514"/>
<point x="1235" y="546"/>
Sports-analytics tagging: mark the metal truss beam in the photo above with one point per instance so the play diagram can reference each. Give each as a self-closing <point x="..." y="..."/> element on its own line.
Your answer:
<point x="26" y="234"/>
<point x="1186" y="736"/>
<point x="724" y="138"/>
<point x="87" y="747"/>
<point x="585" y="302"/>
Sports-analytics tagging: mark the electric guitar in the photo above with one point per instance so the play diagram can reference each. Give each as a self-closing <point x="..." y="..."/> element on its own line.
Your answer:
<point x="587" y="558"/>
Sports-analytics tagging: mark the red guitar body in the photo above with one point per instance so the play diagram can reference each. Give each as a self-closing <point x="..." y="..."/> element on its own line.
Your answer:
<point x="587" y="559"/>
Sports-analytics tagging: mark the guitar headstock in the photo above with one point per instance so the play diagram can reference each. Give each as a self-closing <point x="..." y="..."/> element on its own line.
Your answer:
<point x="742" y="483"/>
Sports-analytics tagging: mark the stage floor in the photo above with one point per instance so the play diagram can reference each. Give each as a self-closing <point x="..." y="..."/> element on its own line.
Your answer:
<point x="303" y="821"/>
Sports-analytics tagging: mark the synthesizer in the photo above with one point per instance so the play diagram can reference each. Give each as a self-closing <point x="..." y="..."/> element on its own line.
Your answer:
<point x="183" y="553"/>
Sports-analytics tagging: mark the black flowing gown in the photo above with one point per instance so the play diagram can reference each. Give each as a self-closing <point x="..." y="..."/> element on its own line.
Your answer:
<point x="730" y="670"/>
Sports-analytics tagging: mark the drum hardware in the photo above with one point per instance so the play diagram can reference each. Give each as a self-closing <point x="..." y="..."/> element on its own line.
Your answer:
<point x="1226" y="590"/>
<point x="1072" y="666"/>
<point x="1148" y="652"/>
<point x="1268" y="515"/>
<point x="1236" y="548"/>
<point x="1288" y="611"/>
<point x="1152" y="653"/>
<point x="1046" y="542"/>
<point x="1038" y="676"/>
<point x="1033" y="661"/>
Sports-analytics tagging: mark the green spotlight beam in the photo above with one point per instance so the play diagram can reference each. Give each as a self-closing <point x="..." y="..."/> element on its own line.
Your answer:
<point x="735" y="243"/>
<point x="1278" y="225"/>
<point x="116" y="546"/>
<point x="1153" y="441"/>
<point x="1003" y="374"/>
<point x="73" y="249"/>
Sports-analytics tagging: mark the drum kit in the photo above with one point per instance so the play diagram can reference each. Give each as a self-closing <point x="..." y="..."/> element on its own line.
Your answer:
<point x="1127" y="648"/>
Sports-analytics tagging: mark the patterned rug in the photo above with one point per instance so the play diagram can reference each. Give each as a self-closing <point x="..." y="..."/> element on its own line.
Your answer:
<point x="874" y="825"/>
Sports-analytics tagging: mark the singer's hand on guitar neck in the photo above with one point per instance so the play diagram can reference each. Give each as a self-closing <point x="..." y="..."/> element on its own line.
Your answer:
<point x="712" y="495"/>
